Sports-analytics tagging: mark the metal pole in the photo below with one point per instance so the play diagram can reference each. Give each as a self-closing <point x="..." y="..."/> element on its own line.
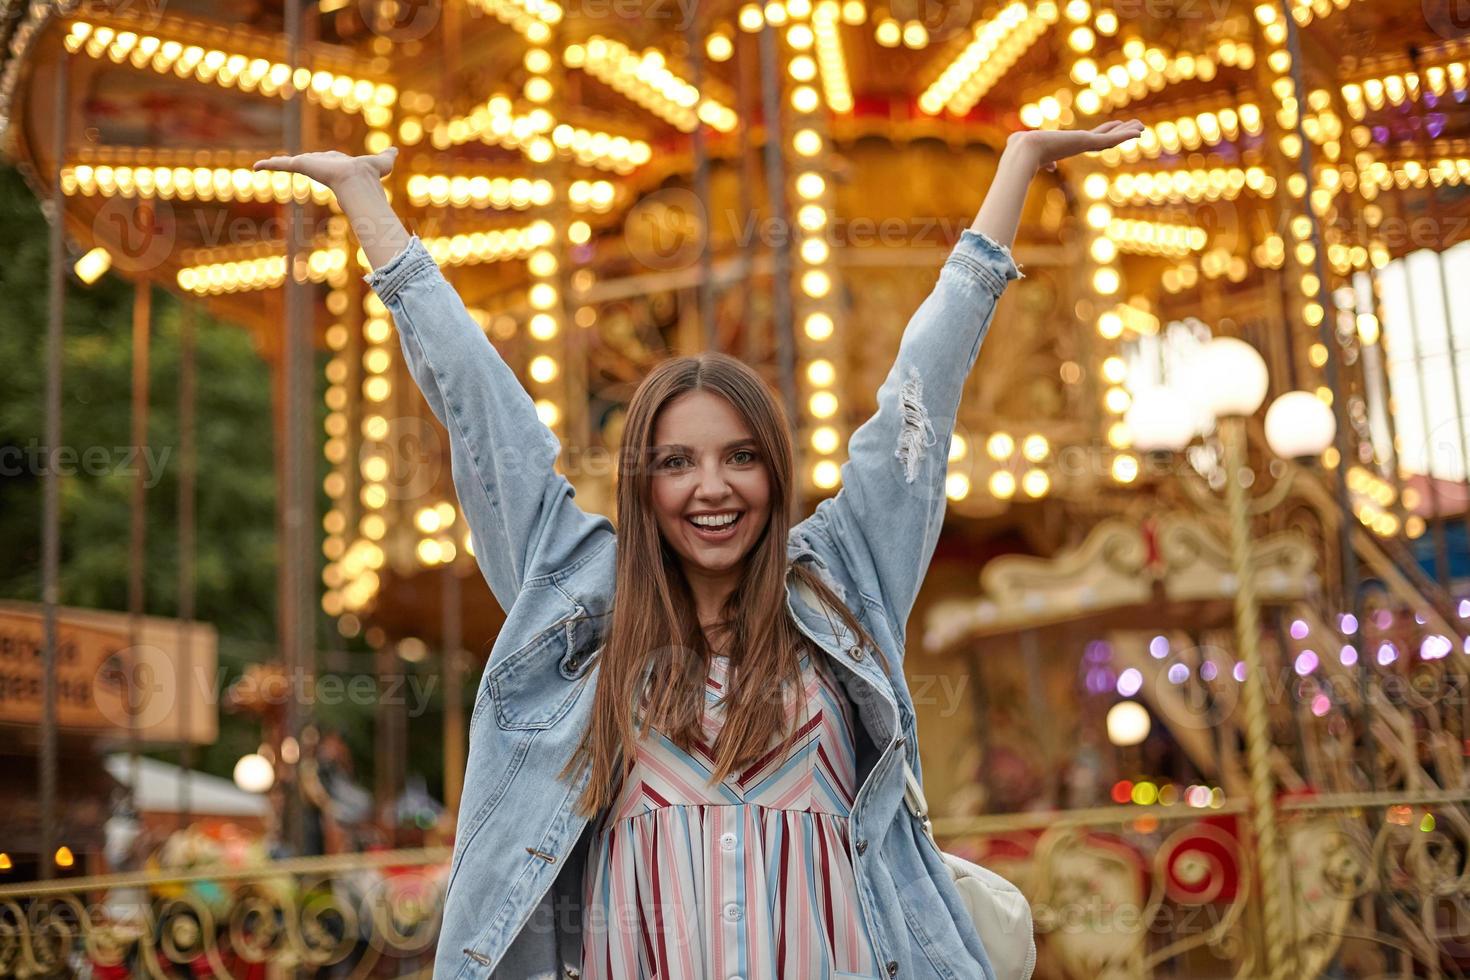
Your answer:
<point x="781" y="250"/>
<point x="50" y="488"/>
<point x="138" y="514"/>
<point x="297" y="618"/>
<point x="187" y="468"/>
<point x="749" y="173"/>
<point x="706" y="293"/>
<point x="453" y="668"/>
<point x="1326" y="336"/>
<point x="1274" y="906"/>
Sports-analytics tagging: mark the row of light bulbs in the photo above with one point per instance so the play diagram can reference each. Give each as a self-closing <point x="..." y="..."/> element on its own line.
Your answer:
<point x="192" y="183"/>
<point x="1155" y="237"/>
<point x="507" y="193"/>
<point x="1139" y="72"/>
<point x="647" y="80"/>
<point x="548" y="314"/>
<point x="1188" y="133"/>
<point x="1372" y="94"/>
<point x="1008" y="457"/>
<point x="532" y="19"/>
<point x="1178" y="186"/>
<point x="996" y="45"/>
<point x="237" y="71"/>
<point x="267" y="272"/>
<point x="811" y="195"/>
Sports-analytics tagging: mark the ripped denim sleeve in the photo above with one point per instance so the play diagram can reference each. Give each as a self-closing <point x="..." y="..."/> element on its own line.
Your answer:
<point x="916" y="433"/>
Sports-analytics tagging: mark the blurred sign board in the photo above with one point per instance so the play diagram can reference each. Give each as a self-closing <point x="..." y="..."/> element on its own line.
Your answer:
<point x="163" y="689"/>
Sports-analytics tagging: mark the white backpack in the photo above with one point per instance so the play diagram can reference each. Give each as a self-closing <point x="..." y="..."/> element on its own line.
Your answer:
<point x="999" y="911"/>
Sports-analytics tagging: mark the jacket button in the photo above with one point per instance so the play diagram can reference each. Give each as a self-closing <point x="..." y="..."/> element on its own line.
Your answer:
<point x="855" y="651"/>
<point x="898" y="742"/>
<point x="574" y="663"/>
<point x="893" y="968"/>
<point x="862" y="845"/>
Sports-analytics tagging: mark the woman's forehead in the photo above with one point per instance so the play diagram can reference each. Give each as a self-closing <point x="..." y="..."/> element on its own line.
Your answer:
<point x="700" y="419"/>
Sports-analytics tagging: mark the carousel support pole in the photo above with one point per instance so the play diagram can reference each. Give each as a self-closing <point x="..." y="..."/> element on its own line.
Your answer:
<point x="186" y="518"/>
<point x="138" y="513"/>
<point x="452" y="662"/>
<point x="706" y="290"/>
<point x="50" y="486"/>
<point x="776" y="199"/>
<point x="749" y="174"/>
<point x="1326" y="335"/>
<point x="1275" y="906"/>
<point x="297" y="568"/>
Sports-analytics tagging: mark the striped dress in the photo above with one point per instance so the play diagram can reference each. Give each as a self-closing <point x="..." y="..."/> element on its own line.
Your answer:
<point x="747" y="879"/>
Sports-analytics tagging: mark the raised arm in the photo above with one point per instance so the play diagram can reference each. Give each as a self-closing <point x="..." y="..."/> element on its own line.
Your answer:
<point x="885" y="520"/>
<point x="520" y="511"/>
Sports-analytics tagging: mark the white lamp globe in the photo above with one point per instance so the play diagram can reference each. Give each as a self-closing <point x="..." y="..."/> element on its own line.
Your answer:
<point x="1128" y="723"/>
<point x="1230" y="377"/>
<point x="1160" y="419"/>
<point x="1299" y="424"/>
<point x="254" y="773"/>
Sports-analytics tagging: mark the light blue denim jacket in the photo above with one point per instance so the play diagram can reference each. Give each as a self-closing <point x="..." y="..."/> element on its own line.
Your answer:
<point x="512" y="908"/>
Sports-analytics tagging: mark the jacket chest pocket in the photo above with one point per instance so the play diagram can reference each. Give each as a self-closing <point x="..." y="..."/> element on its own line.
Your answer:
<point x="530" y="690"/>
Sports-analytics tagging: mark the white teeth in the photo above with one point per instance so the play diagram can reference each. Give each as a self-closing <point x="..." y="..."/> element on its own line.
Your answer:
<point x="723" y="520"/>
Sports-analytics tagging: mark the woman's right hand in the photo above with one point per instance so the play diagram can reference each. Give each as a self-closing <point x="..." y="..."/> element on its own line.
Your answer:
<point x="333" y="167"/>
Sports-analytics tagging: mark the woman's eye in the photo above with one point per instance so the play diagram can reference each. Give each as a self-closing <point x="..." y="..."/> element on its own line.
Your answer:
<point x="750" y="457"/>
<point x="669" y="462"/>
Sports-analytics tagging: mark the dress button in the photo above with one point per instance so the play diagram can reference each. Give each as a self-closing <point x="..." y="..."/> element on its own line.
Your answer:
<point x="893" y="968"/>
<point x="862" y="845"/>
<point x="732" y="912"/>
<point x="855" y="651"/>
<point x="727" y="842"/>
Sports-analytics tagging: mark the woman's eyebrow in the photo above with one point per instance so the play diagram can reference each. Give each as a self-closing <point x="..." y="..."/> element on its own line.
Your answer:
<point x="689" y="449"/>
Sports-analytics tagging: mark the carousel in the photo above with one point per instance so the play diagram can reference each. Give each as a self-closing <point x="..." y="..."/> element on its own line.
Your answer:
<point x="1190" y="665"/>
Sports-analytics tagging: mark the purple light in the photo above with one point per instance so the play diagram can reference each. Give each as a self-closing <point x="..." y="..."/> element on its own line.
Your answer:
<point x="1299" y="629"/>
<point x="1435" y="123"/>
<point x="1129" y="682"/>
<point x="1435" y="647"/>
<point x="1419" y="618"/>
<point x="1464" y="609"/>
<point x="1321" y="704"/>
<point x="1238" y="671"/>
<point x="1098" y="652"/>
<point x="1380" y="134"/>
<point x="1208" y="670"/>
<point x="1383" y="619"/>
<point x="1158" y="647"/>
<point x="1178" y="674"/>
<point x="1348" y="623"/>
<point x="1306" y="662"/>
<point x="1348" y="655"/>
<point x="1099" y="679"/>
<point x="1387" y="654"/>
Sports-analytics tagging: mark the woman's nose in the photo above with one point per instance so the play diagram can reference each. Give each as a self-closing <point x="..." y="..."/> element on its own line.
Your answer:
<point x="712" y="483"/>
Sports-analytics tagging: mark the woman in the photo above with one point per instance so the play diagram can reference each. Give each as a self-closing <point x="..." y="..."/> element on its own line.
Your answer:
<point x="687" y="754"/>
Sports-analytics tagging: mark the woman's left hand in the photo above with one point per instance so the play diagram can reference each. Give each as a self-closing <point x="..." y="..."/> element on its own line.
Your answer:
<point x="1046" y="146"/>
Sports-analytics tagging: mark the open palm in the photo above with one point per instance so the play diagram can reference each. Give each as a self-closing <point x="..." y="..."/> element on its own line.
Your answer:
<point x="1051" y="145"/>
<point x="332" y="167"/>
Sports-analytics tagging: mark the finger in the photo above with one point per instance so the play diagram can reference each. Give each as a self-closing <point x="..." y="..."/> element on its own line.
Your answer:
<point x="1108" y="126"/>
<point x="274" y="163"/>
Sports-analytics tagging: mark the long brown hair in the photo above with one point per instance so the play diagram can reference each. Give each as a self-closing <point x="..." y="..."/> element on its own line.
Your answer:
<point x="654" y="644"/>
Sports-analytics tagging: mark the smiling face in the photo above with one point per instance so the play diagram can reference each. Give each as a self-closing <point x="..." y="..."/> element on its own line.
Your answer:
<point x="706" y="471"/>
